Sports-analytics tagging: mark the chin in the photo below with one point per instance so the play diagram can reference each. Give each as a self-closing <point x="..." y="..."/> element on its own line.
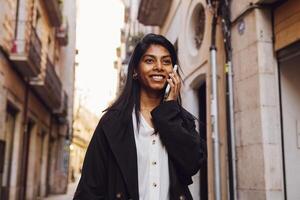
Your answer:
<point x="158" y="88"/>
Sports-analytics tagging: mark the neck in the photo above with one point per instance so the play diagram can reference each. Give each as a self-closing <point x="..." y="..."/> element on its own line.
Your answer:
<point x="149" y="100"/>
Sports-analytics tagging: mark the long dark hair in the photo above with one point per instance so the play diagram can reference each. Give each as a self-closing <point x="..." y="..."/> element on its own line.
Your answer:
<point x="130" y="95"/>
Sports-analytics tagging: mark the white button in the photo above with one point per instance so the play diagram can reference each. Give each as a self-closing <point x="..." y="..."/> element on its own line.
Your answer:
<point x="182" y="197"/>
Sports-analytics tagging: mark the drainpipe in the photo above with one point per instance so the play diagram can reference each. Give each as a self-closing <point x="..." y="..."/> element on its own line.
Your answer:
<point x="226" y="29"/>
<point x="214" y="110"/>
<point x="232" y="162"/>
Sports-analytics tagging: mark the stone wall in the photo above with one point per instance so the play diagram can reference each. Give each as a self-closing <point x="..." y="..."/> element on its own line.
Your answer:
<point x="258" y="140"/>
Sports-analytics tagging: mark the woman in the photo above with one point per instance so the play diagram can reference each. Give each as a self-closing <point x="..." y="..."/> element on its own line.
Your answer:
<point x="145" y="146"/>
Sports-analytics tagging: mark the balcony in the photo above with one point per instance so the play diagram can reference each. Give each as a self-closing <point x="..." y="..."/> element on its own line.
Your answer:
<point x="132" y="41"/>
<point x="62" y="33"/>
<point x="53" y="8"/>
<point x="25" y="52"/>
<point x="153" y="12"/>
<point x="49" y="87"/>
<point x="62" y="112"/>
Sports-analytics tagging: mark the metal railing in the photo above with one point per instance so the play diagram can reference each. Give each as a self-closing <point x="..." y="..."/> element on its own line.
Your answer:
<point x="53" y="81"/>
<point x="35" y="48"/>
<point x="27" y="47"/>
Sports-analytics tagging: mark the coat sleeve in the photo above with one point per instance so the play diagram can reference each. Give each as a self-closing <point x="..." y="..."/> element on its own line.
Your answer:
<point x="92" y="184"/>
<point x="178" y="133"/>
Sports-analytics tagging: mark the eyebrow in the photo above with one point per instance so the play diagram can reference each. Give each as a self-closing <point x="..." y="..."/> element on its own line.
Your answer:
<point x="152" y="56"/>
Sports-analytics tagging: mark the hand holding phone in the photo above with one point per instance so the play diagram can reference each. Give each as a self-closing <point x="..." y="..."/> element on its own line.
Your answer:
<point x="168" y="88"/>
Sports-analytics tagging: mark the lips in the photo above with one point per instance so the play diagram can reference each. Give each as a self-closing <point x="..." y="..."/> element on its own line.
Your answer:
<point x="157" y="77"/>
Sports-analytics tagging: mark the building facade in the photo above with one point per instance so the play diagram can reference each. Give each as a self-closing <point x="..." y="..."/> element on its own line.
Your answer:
<point x="84" y="126"/>
<point x="37" y="52"/>
<point x="240" y="60"/>
<point x="131" y="33"/>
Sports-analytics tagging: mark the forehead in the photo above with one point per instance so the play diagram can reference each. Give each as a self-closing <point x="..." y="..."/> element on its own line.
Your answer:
<point x="157" y="50"/>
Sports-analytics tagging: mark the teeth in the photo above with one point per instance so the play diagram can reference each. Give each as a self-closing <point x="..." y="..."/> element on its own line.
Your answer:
<point x="157" y="78"/>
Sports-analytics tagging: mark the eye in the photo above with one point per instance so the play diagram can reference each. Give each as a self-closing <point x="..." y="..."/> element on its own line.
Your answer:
<point x="149" y="61"/>
<point x="167" y="62"/>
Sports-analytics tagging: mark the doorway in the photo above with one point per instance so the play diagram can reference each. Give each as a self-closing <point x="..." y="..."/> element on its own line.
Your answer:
<point x="43" y="163"/>
<point x="202" y="130"/>
<point x="25" y="158"/>
<point x="9" y="132"/>
<point x="289" y="73"/>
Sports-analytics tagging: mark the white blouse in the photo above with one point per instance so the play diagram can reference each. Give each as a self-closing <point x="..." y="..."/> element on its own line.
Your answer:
<point x="153" y="166"/>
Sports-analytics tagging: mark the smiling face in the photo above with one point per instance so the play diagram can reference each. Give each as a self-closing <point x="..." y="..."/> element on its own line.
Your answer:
<point x="154" y="68"/>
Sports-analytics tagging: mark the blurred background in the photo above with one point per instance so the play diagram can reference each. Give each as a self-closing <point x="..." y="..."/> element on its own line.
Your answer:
<point x="62" y="62"/>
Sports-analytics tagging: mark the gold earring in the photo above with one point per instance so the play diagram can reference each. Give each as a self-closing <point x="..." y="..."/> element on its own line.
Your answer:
<point x="134" y="75"/>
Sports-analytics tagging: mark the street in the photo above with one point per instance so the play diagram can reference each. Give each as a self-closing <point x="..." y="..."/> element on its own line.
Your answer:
<point x="67" y="196"/>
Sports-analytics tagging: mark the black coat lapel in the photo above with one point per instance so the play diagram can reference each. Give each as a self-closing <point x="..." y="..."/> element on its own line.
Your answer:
<point x="122" y="143"/>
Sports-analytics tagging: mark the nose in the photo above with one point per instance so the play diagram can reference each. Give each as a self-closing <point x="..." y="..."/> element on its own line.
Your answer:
<point x="158" y="66"/>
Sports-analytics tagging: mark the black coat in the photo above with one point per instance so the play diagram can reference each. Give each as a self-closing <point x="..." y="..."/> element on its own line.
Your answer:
<point x="110" y="166"/>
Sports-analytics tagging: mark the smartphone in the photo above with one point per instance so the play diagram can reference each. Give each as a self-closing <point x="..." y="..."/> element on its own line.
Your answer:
<point x="168" y="88"/>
